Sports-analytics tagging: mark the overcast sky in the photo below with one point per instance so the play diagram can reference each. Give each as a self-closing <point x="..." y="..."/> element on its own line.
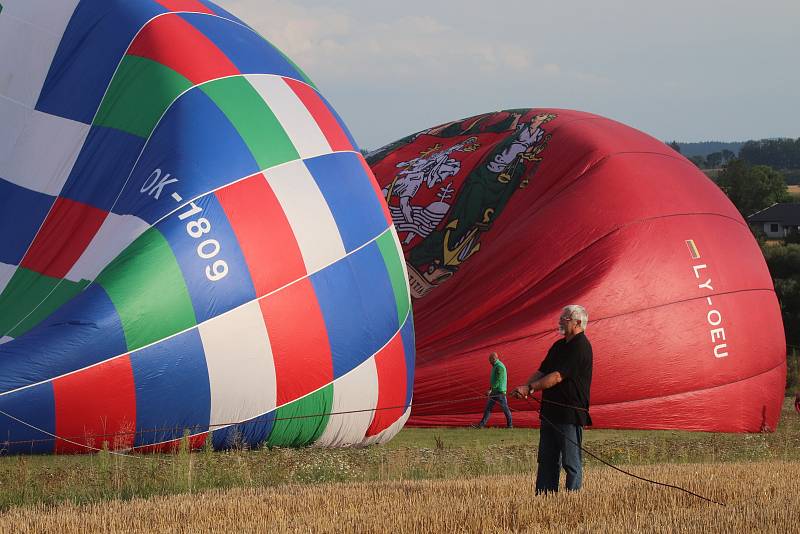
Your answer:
<point x="689" y="70"/>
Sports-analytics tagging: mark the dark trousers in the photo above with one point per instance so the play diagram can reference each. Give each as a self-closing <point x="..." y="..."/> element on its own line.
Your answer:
<point x="493" y="398"/>
<point x="559" y="445"/>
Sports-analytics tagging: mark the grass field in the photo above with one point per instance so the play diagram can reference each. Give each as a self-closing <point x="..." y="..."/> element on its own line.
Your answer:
<point x="307" y="489"/>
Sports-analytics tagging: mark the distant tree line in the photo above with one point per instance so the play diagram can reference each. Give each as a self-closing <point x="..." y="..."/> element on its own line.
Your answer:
<point x="708" y="161"/>
<point x="777" y="153"/>
<point x="703" y="148"/>
<point x="714" y="160"/>
<point x="781" y="154"/>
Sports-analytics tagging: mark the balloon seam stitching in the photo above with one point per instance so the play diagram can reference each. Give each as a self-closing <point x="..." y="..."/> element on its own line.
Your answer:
<point x="307" y="275"/>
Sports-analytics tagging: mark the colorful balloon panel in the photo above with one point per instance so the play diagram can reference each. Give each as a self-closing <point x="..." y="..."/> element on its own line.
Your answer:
<point x="507" y="217"/>
<point x="191" y="241"/>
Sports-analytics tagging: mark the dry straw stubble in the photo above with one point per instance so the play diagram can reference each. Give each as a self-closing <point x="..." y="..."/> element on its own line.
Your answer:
<point x="760" y="497"/>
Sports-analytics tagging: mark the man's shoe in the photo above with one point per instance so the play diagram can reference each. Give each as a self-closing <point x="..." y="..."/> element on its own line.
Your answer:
<point x="476" y="425"/>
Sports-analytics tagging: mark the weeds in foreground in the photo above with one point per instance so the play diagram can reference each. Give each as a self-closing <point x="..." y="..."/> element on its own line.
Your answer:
<point x="424" y="455"/>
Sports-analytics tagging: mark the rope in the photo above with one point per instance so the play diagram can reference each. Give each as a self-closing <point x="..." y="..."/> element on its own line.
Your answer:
<point x="54" y="437"/>
<point x="69" y="439"/>
<point x="119" y="433"/>
<point x="612" y="466"/>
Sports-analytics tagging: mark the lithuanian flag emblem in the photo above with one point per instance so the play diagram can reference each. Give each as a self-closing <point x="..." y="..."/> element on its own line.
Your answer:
<point x="693" y="249"/>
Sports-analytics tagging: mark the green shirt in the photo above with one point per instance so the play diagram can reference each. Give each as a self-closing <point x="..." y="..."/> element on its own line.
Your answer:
<point x="498" y="379"/>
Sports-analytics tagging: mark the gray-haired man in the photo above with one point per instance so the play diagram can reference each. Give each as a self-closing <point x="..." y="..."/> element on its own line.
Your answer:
<point x="564" y="377"/>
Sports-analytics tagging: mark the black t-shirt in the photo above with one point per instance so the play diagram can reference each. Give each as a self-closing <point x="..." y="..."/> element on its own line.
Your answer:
<point x="573" y="361"/>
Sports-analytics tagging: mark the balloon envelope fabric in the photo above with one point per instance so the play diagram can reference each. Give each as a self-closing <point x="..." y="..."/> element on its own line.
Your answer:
<point x="509" y="216"/>
<point x="191" y="241"/>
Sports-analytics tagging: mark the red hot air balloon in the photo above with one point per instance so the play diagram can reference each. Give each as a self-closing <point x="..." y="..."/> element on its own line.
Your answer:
<point x="507" y="217"/>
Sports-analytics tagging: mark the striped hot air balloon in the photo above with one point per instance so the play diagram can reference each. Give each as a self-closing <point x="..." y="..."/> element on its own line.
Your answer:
<point x="191" y="240"/>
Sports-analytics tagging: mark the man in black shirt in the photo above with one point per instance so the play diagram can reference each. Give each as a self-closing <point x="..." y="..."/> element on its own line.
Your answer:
<point x="564" y="378"/>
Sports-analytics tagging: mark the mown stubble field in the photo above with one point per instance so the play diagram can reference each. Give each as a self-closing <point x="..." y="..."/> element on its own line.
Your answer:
<point x="759" y="497"/>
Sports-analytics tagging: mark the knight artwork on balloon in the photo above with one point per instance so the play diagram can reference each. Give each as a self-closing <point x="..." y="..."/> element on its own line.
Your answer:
<point x="443" y="198"/>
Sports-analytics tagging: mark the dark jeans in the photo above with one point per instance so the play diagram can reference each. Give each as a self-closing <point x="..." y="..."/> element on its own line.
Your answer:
<point x="493" y="398"/>
<point x="559" y="445"/>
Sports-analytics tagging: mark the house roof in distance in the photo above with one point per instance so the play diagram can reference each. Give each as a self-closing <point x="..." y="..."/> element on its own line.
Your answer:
<point x="786" y="213"/>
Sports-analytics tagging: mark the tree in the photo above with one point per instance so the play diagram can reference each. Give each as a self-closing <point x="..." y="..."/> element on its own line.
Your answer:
<point x="675" y="146"/>
<point x="700" y="161"/>
<point x="714" y="159"/>
<point x="752" y="188"/>
<point x="727" y="155"/>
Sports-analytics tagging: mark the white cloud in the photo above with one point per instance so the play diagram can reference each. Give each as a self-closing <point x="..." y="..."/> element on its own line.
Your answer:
<point x="336" y="44"/>
<point x="418" y="62"/>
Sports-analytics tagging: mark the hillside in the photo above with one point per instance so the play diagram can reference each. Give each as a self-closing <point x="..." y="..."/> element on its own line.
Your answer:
<point x="705" y="148"/>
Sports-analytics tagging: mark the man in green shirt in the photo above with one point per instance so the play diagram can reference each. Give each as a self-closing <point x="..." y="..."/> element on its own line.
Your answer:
<point x="497" y="392"/>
